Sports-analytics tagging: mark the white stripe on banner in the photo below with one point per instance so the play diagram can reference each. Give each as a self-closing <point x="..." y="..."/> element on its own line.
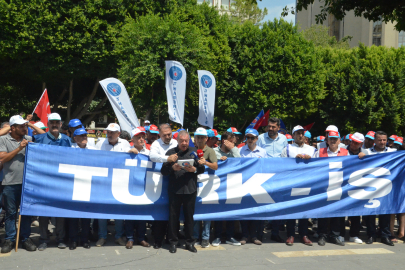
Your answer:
<point x="122" y="105"/>
<point x="175" y="90"/>
<point x="207" y="98"/>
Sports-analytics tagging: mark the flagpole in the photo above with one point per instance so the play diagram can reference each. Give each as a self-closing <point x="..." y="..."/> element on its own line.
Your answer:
<point x="39" y="100"/>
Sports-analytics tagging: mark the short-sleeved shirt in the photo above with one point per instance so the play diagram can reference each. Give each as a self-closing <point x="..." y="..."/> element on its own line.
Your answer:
<point x="272" y="147"/>
<point x="121" y="146"/>
<point x="145" y="151"/>
<point x="233" y="153"/>
<point x="87" y="146"/>
<point x="13" y="170"/>
<point x="373" y="151"/>
<point x="292" y="150"/>
<point x="259" y="152"/>
<point x="48" y="138"/>
<point x="209" y="154"/>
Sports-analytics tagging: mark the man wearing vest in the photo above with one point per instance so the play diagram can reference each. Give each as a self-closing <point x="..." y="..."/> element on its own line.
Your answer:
<point x="324" y="144"/>
<point x="299" y="149"/>
<point x="384" y="220"/>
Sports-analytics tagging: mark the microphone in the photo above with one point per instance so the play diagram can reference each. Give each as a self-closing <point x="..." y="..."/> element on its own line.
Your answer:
<point x="194" y="156"/>
<point x="200" y="153"/>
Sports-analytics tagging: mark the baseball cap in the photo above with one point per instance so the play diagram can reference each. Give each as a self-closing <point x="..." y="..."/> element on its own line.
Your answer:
<point x="137" y="131"/>
<point x="200" y="132"/>
<point x="348" y="137"/>
<point x="252" y="131"/>
<point x="79" y="131"/>
<point x="17" y="120"/>
<point x="54" y="116"/>
<point x="219" y="137"/>
<point x="215" y="132"/>
<point x="40" y="125"/>
<point x="289" y="137"/>
<point x="233" y="130"/>
<point x="357" y="137"/>
<point x="153" y="129"/>
<point x="399" y="140"/>
<point x="113" y="127"/>
<point x="210" y="133"/>
<point x="320" y="138"/>
<point x="307" y="134"/>
<point x="75" y="123"/>
<point x="393" y="137"/>
<point x="333" y="134"/>
<point x="296" y="128"/>
<point x="147" y="122"/>
<point x="370" y="135"/>
<point x="332" y="128"/>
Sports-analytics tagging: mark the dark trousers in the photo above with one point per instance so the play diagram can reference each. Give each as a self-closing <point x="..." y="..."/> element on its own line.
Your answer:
<point x="335" y="228"/>
<point x="384" y="223"/>
<point x="159" y="229"/>
<point x="355" y="226"/>
<point x="139" y="225"/>
<point x="73" y="224"/>
<point x="175" y="203"/>
<point x="252" y="228"/>
<point x="230" y="228"/>
<point x="302" y="227"/>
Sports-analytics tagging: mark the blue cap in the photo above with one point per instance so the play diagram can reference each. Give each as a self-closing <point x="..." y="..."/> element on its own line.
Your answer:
<point x="319" y="139"/>
<point x="219" y="137"/>
<point x="210" y="133"/>
<point x="307" y="134"/>
<point x="146" y="128"/>
<point x="233" y="130"/>
<point x="347" y="137"/>
<point x="75" y="123"/>
<point x="252" y="131"/>
<point x="79" y="131"/>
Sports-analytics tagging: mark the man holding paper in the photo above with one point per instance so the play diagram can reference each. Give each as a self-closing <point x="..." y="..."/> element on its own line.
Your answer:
<point x="182" y="189"/>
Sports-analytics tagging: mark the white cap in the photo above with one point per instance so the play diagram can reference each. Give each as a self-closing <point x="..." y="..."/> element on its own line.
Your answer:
<point x="138" y="130"/>
<point x="40" y="125"/>
<point x="332" y="128"/>
<point x="54" y="116"/>
<point x="296" y="128"/>
<point x="201" y="132"/>
<point x="147" y="122"/>
<point x="358" y="137"/>
<point x="17" y="120"/>
<point x="113" y="127"/>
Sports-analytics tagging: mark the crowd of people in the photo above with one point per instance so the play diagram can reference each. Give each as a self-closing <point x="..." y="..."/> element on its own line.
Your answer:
<point x="167" y="147"/>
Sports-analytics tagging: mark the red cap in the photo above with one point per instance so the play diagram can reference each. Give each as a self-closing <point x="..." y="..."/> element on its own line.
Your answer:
<point x="333" y="134"/>
<point x="370" y="135"/>
<point x="393" y="137"/>
<point x="153" y="129"/>
<point x="399" y="140"/>
<point x="215" y="132"/>
<point x="322" y="137"/>
<point x="175" y="135"/>
<point x="288" y="136"/>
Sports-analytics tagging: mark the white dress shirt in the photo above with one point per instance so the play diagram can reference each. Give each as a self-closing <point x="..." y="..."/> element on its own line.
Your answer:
<point x="158" y="150"/>
<point x="144" y="151"/>
<point x="292" y="150"/>
<point x="74" y="145"/>
<point x="121" y="146"/>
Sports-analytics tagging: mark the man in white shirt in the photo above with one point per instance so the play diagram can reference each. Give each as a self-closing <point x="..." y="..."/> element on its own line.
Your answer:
<point x="138" y="139"/>
<point x="324" y="144"/>
<point x="299" y="149"/>
<point x="116" y="144"/>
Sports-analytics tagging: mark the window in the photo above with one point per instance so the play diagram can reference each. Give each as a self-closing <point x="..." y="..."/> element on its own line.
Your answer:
<point x="401" y="38"/>
<point x="226" y="4"/>
<point x="209" y="2"/>
<point x="377" y="33"/>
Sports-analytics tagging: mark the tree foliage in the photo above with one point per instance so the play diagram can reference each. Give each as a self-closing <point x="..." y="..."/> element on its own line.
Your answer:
<point x="247" y="10"/>
<point x="319" y="35"/>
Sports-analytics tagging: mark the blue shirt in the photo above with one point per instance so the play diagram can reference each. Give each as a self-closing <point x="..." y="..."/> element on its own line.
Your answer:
<point x="259" y="152"/>
<point x="47" y="138"/>
<point x="272" y="147"/>
<point x="30" y="132"/>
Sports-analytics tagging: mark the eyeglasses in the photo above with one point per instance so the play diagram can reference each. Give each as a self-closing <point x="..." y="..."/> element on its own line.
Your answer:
<point x="250" y="138"/>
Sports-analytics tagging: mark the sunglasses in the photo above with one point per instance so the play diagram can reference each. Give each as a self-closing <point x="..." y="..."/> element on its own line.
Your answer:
<point x="250" y="138"/>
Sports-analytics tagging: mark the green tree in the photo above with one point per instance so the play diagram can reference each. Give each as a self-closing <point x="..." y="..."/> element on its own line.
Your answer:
<point x="247" y="10"/>
<point x="319" y="35"/>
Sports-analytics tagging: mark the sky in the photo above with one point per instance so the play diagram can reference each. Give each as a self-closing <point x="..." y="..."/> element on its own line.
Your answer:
<point x="275" y="7"/>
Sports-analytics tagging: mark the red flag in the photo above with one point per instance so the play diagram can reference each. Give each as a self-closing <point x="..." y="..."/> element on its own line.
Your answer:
<point x="262" y="122"/>
<point x="43" y="109"/>
<point x="308" y="127"/>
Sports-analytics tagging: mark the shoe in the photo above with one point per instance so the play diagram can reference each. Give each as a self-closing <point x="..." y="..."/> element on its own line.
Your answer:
<point x="8" y="246"/>
<point x="129" y="244"/>
<point x="387" y="241"/>
<point x="120" y="241"/>
<point x="355" y="240"/>
<point x="29" y="245"/>
<point x="86" y="245"/>
<point x="173" y="249"/>
<point x="42" y="246"/>
<point x="100" y="242"/>
<point x="72" y="245"/>
<point x="243" y="241"/>
<point x="337" y="241"/>
<point x="191" y="248"/>
<point x="216" y="242"/>
<point x="232" y="241"/>
<point x="197" y="244"/>
<point x="35" y="223"/>
<point x="205" y="243"/>
<point x="157" y="245"/>
<point x="305" y="240"/>
<point x="276" y="238"/>
<point x="144" y="243"/>
<point x="257" y="242"/>
<point x="321" y="240"/>
<point x="342" y="239"/>
<point x="290" y="241"/>
<point x="62" y="245"/>
<point x="370" y="240"/>
<point x="394" y="240"/>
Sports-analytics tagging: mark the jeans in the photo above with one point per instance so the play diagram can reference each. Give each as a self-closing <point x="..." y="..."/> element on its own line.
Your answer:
<point x="102" y="228"/>
<point x="12" y="198"/>
<point x="139" y="225"/>
<point x="206" y="227"/>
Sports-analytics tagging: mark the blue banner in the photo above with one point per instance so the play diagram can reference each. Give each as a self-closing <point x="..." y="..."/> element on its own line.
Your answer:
<point x="259" y="116"/>
<point x="69" y="182"/>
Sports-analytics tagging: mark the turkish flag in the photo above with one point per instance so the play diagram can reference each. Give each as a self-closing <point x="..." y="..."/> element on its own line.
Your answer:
<point x="43" y="109"/>
<point x="308" y="127"/>
<point x="263" y="121"/>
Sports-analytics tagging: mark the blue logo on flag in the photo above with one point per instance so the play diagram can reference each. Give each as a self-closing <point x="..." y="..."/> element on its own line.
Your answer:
<point x="175" y="73"/>
<point x="206" y="81"/>
<point x="114" y="89"/>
